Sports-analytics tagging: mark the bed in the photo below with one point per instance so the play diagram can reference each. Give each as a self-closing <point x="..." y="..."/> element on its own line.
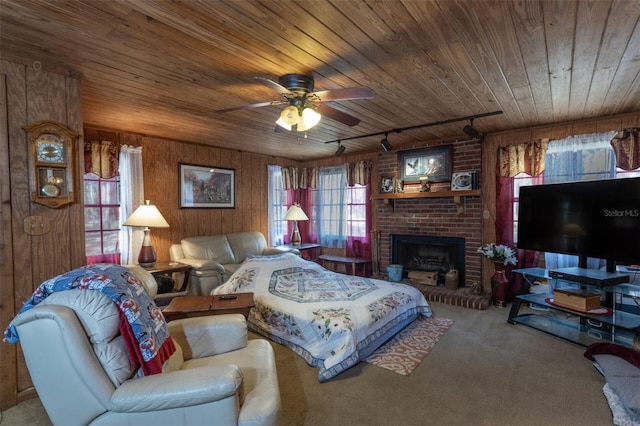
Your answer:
<point x="332" y="320"/>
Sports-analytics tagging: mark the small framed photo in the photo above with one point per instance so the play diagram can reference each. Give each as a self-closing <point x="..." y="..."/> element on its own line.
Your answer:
<point x="432" y="163"/>
<point x="206" y="187"/>
<point x="387" y="184"/>
<point x="462" y="181"/>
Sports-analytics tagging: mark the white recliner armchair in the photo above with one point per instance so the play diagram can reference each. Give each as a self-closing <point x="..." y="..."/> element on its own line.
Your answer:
<point x="80" y="367"/>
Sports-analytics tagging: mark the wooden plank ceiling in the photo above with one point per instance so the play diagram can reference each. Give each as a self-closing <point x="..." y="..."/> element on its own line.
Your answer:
<point x="163" y="68"/>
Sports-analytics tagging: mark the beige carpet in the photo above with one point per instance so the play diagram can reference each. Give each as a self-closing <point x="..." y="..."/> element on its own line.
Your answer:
<point x="404" y="352"/>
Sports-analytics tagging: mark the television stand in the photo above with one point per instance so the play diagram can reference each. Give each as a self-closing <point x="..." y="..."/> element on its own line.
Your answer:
<point x="609" y="324"/>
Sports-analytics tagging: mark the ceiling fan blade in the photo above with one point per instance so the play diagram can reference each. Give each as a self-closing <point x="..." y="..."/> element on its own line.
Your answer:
<point x="344" y="94"/>
<point x="273" y="85"/>
<point x="257" y="105"/>
<point x="334" y="114"/>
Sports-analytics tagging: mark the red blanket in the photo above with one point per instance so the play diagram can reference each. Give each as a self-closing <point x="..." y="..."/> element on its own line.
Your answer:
<point x="630" y="355"/>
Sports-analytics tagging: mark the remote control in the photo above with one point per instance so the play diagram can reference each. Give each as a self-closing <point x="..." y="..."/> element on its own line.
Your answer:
<point x="228" y="297"/>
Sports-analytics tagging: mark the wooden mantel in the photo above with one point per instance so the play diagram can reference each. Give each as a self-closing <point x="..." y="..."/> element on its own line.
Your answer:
<point x="457" y="196"/>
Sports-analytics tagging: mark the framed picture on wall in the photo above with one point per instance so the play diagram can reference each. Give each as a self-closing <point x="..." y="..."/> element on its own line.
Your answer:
<point x="206" y="187"/>
<point x="433" y="164"/>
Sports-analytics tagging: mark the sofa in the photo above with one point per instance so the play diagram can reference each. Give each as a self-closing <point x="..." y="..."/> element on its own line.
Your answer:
<point x="80" y="366"/>
<point x="215" y="258"/>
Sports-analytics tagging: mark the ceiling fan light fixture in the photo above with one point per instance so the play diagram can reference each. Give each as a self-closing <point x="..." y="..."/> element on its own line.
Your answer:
<point x="280" y="122"/>
<point x="340" y="150"/>
<point x="308" y="119"/>
<point x="289" y="115"/>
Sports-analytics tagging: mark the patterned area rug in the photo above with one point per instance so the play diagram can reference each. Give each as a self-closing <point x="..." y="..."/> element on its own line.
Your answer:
<point x="406" y="350"/>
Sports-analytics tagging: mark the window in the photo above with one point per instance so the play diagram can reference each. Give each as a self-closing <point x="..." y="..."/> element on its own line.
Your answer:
<point x="520" y="180"/>
<point x="329" y="209"/>
<point x="101" y="215"/>
<point x="277" y="206"/>
<point x="357" y="211"/>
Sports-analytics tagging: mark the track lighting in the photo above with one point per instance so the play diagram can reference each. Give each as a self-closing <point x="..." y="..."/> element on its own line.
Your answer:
<point x="385" y="144"/>
<point x="340" y="150"/>
<point x="469" y="130"/>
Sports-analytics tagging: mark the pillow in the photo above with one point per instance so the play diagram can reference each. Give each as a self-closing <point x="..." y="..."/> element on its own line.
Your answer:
<point x="623" y="378"/>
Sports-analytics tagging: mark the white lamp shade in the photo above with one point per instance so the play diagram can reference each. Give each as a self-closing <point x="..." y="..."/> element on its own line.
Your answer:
<point x="280" y="122"/>
<point x="290" y="115"/>
<point x="295" y="213"/>
<point x="148" y="216"/>
<point x="309" y="119"/>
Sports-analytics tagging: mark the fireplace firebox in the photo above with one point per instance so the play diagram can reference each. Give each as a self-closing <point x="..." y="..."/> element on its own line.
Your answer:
<point x="429" y="253"/>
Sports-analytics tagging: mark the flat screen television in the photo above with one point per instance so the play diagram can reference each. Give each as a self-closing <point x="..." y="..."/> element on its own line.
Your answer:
<point x="597" y="219"/>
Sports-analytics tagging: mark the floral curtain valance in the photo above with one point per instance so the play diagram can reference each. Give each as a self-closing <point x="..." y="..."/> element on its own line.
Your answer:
<point x="357" y="173"/>
<point x="626" y="145"/>
<point x="101" y="158"/>
<point x="523" y="158"/>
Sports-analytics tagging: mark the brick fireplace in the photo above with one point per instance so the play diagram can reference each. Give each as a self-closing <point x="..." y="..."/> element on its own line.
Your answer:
<point x="435" y="217"/>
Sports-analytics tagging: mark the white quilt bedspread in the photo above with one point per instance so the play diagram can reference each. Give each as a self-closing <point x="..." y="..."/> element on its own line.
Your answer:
<point x="332" y="320"/>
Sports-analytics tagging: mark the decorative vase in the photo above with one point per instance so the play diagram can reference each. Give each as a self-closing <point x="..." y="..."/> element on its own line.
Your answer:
<point x="500" y="286"/>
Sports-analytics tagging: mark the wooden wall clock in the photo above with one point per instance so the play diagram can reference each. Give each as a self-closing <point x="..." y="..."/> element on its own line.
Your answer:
<point x="52" y="163"/>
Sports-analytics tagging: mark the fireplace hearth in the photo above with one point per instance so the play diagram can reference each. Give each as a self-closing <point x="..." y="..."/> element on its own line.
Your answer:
<point x="429" y="253"/>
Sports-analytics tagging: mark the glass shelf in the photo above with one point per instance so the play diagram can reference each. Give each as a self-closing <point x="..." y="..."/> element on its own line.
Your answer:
<point x="571" y="331"/>
<point x="617" y="318"/>
<point x="582" y="328"/>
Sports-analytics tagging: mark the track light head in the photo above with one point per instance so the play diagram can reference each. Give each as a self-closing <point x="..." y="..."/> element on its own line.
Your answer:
<point x="385" y="144"/>
<point x="469" y="130"/>
<point x="340" y="150"/>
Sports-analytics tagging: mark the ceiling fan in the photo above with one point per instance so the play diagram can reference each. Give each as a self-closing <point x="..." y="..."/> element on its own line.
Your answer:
<point x="304" y="106"/>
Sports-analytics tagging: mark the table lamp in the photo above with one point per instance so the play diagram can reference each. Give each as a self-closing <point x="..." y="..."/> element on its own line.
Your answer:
<point x="295" y="214"/>
<point x="147" y="216"/>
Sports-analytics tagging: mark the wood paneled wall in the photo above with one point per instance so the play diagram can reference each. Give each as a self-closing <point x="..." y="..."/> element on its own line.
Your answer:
<point x="160" y="159"/>
<point x="491" y="142"/>
<point x="29" y="94"/>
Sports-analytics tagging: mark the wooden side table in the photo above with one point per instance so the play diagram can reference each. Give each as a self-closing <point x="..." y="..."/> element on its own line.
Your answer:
<point x="353" y="261"/>
<point x="198" y="306"/>
<point x="308" y="251"/>
<point x="168" y="268"/>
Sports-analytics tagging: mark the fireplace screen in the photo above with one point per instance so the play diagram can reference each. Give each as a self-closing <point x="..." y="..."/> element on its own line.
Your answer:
<point x="429" y="253"/>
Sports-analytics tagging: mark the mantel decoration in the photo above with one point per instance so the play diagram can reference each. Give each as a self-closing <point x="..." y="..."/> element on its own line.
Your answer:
<point x="501" y="256"/>
<point x="432" y="163"/>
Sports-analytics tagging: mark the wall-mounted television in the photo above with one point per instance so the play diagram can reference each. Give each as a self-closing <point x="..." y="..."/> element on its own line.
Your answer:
<point x="597" y="219"/>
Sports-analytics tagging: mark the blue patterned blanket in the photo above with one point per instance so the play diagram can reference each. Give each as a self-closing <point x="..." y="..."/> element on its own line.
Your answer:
<point x="141" y="322"/>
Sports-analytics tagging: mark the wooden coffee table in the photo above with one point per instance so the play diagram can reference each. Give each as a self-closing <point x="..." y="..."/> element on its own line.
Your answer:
<point x="198" y="306"/>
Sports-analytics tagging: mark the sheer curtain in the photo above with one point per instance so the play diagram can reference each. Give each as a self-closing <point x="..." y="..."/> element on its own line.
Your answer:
<point x="277" y="206"/>
<point x="578" y="158"/>
<point x="332" y="184"/>
<point x="131" y="196"/>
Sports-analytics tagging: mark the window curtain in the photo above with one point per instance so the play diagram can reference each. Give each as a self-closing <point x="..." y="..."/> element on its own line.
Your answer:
<point x="626" y="145"/>
<point x="512" y="160"/>
<point x="360" y="174"/>
<point x="332" y="184"/>
<point x="579" y="158"/>
<point x="131" y="196"/>
<point x="101" y="158"/>
<point x="276" y="227"/>
<point x="308" y="182"/>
